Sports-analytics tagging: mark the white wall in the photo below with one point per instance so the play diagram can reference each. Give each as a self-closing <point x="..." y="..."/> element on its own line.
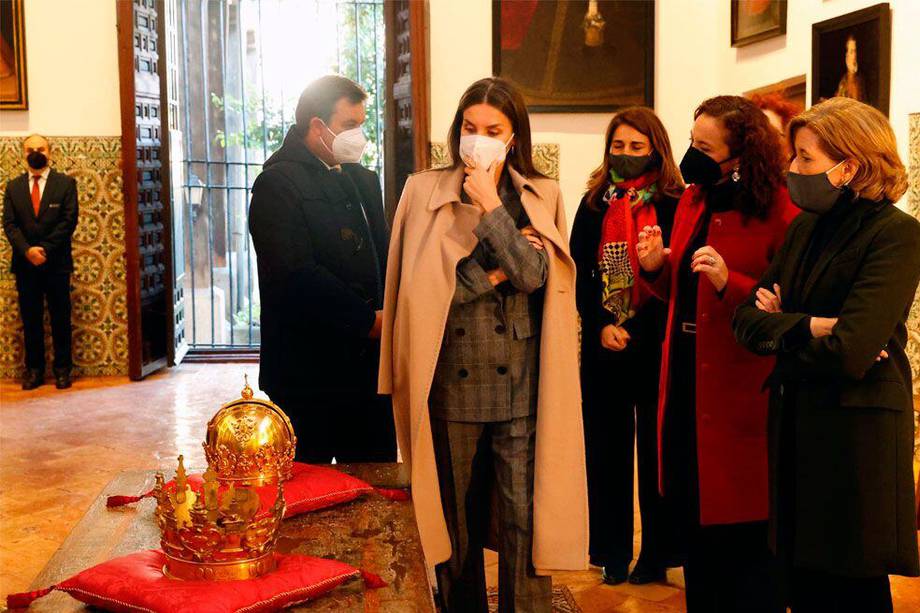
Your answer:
<point x="461" y="52"/>
<point x="72" y="70"/>
<point x="693" y="61"/>
<point x="779" y="58"/>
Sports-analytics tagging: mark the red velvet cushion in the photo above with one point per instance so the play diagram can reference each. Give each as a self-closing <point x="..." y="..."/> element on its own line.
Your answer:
<point x="310" y="488"/>
<point x="136" y="583"/>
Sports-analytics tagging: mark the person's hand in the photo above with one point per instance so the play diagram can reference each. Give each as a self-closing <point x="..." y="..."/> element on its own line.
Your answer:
<point x="378" y="325"/>
<point x="614" y="337"/>
<point x="883" y="355"/>
<point x="479" y="185"/>
<point x="536" y="241"/>
<point x="707" y="260"/>
<point x="37" y="255"/>
<point x="822" y="326"/>
<point x="651" y="249"/>
<point x="497" y="277"/>
<point x="768" y="301"/>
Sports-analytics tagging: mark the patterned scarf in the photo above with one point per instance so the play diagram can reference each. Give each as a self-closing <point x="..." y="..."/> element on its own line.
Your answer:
<point x="628" y="208"/>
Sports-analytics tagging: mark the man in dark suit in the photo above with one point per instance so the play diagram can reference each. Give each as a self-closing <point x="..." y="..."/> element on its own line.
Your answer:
<point x="318" y="227"/>
<point x="39" y="219"/>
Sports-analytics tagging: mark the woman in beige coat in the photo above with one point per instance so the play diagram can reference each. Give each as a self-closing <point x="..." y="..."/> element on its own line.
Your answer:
<point x="479" y="351"/>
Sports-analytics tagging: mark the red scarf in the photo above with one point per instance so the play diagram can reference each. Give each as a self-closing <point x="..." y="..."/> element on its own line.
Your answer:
<point x="629" y="208"/>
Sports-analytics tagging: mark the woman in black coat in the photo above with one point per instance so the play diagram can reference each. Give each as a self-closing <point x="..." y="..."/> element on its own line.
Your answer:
<point x="832" y="307"/>
<point x="637" y="184"/>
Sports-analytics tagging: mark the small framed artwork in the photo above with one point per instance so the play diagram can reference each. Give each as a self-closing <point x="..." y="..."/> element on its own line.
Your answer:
<point x="851" y="57"/>
<point x="791" y="90"/>
<point x="13" y="92"/>
<point x="757" y="20"/>
<point x="575" y="56"/>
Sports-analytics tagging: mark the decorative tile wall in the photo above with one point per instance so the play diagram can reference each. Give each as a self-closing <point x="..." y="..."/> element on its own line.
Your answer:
<point x="545" y="157"/>
<point x="100" y="324"/>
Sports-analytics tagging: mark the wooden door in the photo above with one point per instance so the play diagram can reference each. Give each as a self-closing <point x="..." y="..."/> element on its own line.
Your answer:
<point x="147" y="224"/>
<point x="407" y="102"/>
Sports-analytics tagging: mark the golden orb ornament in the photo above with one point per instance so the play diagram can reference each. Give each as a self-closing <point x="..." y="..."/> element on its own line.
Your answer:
<point x="250" y="441"/>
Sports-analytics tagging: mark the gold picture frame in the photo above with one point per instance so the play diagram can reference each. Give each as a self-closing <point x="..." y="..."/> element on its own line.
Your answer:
<point x="14" y="95"/>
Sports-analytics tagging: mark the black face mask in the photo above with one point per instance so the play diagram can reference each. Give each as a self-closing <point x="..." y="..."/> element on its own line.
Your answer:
<point x="813" y="193"/>
<point x="631" y="166"/>
<point x="699" y="168"/>
<point x="36" y="160"/>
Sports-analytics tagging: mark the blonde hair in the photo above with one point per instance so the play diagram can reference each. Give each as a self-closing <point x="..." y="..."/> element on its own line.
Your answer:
<point x="848" y="129"/>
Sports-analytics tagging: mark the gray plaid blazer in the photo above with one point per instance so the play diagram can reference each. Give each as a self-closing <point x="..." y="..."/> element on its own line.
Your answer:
<point x="488" y="366"/>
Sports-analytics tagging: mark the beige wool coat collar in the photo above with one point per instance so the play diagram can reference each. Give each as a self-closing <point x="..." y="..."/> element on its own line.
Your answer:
<point x="431" y="232"/>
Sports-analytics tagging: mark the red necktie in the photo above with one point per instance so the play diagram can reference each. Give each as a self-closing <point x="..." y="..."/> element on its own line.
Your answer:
<point x="36" y="195"/>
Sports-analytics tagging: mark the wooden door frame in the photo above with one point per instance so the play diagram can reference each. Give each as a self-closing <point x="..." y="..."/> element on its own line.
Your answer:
<point x="124" y="14"/>
<point x="420" y="79"/>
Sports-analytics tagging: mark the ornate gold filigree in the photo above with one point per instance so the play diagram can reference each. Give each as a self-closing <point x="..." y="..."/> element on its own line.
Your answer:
<point x="250" y="441"/>
<point x="213" y="536"/>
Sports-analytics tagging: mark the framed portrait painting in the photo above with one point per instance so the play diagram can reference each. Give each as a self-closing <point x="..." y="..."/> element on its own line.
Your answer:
<point x="757" y="20"/>
<point x="13" y="92"/>
<point x="851" y="57"/>
<point x="576" y="55"/>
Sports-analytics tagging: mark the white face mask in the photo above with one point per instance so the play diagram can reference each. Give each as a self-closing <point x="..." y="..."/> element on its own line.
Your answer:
<point x="482" y="151"/>
<point x="347" y="146"/>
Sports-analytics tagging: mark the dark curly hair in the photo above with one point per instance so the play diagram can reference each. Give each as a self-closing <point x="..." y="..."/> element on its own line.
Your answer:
<point x="756" y="144"/>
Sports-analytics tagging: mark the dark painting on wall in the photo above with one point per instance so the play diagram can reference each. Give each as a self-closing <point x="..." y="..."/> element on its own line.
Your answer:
<point x="13" y="93"/>
<point x="576" y="56"/>
<point x="851" y="57"/>
<point x="757" y="20"/>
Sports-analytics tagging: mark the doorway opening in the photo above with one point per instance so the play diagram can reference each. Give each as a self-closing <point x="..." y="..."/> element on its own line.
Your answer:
<point x="242" y="65"/>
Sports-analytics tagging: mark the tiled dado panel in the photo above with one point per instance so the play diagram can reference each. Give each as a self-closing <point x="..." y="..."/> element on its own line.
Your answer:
<point x="100" y="324"/>
<point x="913" y="205"/>
<point x="545" y="157"/>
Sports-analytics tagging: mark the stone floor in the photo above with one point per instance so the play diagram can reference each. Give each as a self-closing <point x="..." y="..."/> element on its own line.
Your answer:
<point x="59" y="449"/>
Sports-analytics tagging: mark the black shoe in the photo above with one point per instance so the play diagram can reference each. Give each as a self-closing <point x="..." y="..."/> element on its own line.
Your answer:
<point x="645" y="573"/>
<point x="62" y="378"/>
<point x="615" y="575"/>
<point x="34" y="378"/>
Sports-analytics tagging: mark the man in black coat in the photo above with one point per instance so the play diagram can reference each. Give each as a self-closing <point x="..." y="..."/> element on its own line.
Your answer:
<point x="318" y="227"/>
<point x="39" y="219"/>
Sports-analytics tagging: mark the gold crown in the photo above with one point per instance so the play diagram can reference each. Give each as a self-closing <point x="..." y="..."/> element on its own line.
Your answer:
<point x="213" y="536"/>
<point x="250" y="441"/>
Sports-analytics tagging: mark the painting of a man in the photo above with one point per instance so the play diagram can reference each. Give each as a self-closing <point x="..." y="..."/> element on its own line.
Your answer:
<point x="851" y="83"/>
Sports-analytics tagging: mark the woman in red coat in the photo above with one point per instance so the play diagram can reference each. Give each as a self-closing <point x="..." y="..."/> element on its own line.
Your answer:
<point x="712" y="414"/>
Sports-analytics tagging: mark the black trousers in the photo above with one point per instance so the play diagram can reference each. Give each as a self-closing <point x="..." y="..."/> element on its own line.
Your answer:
<point x="473" y="460"/>
<point x="34" y="287"/>
<point x="728" y="568"/>
<point x="820" y="592"/>
<point x="350" y="427"/>
<point x="620" y="409"/>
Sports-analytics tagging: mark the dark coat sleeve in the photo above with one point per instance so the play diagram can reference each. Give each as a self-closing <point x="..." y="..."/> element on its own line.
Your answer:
<point x="759" y="331"/>
<point x="583" y="246"/>
<point x="11" y="224"/>
<point x="60" y="234"/>
<point x="284" y="247"/>
<point x="881" y="293"/>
